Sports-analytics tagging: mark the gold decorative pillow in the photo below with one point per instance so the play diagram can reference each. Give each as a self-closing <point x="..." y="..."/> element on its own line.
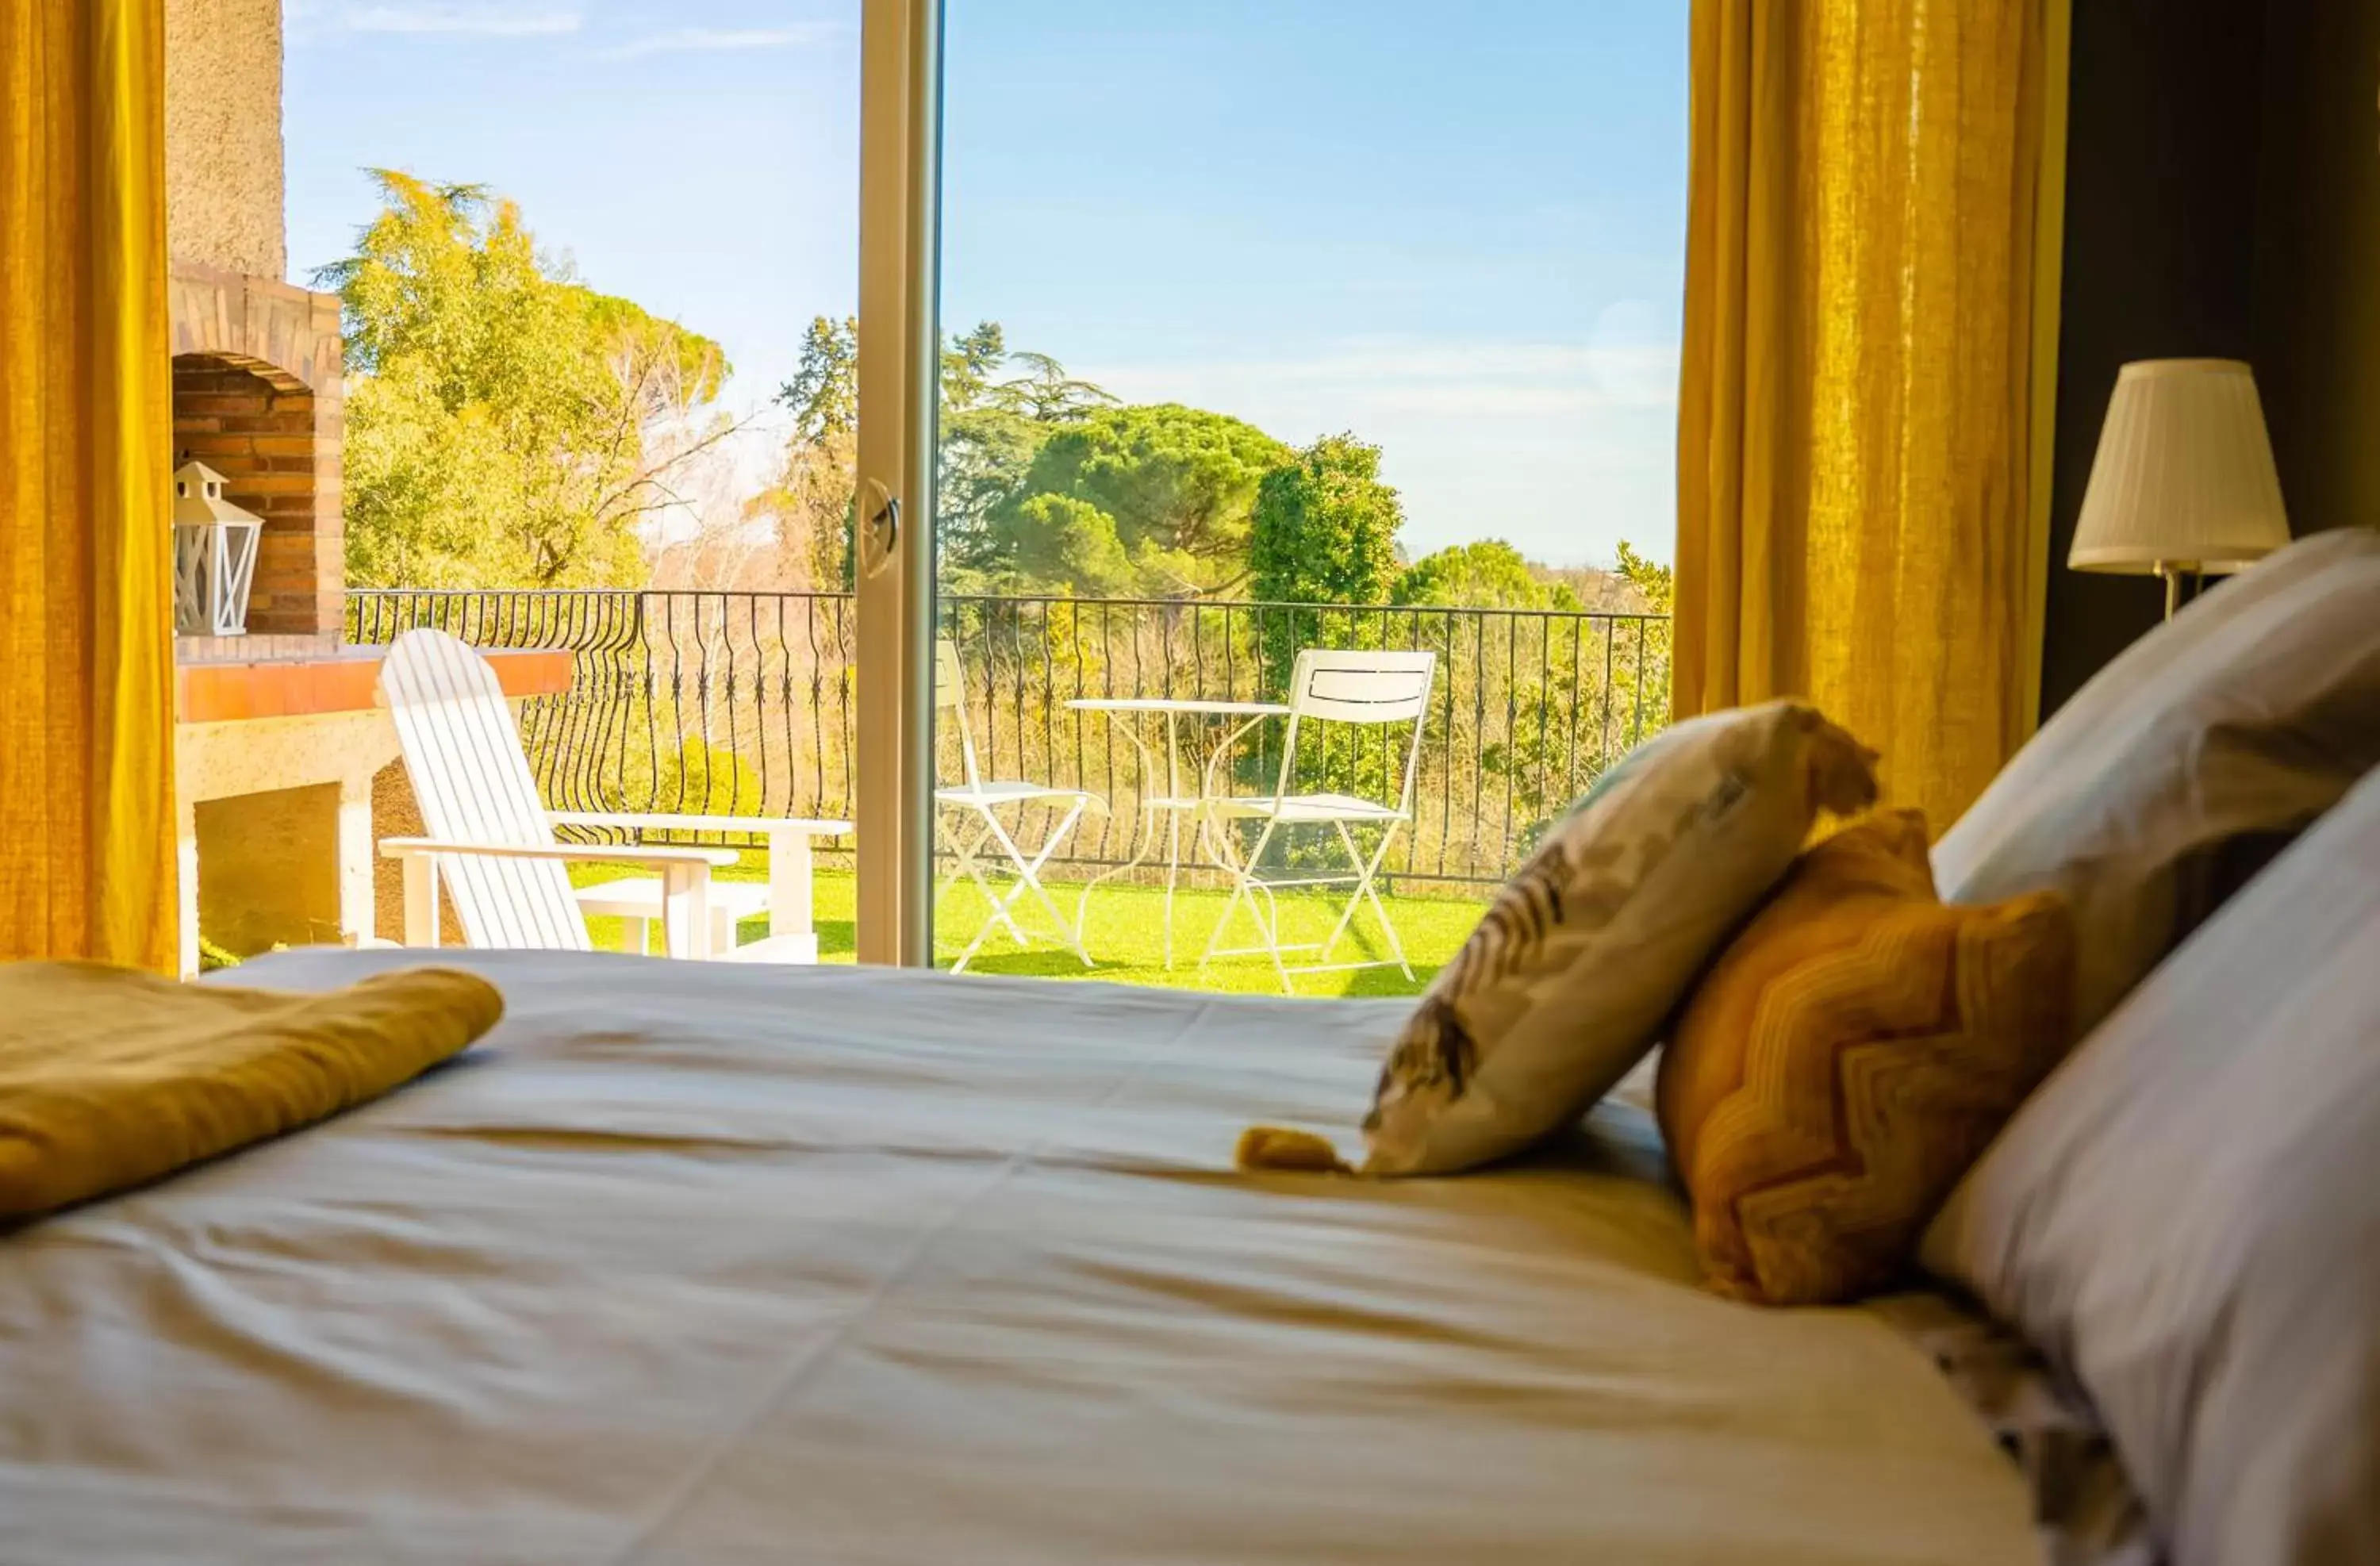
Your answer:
<point x="1846" y="1059"/>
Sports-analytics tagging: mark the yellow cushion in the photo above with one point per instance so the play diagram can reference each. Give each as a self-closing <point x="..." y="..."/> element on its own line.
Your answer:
<point x="110" y="1077"/>
<point x="1848" y="1056"/>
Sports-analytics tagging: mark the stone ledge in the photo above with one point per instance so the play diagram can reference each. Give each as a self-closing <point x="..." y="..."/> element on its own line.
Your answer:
<point x="224" y="690"/>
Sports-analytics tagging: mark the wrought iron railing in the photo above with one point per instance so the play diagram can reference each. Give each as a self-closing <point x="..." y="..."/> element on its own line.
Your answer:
<point x="743" y="702"/>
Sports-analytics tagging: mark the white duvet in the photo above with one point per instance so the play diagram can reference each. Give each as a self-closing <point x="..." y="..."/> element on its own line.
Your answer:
<point x="723" y="1264"/>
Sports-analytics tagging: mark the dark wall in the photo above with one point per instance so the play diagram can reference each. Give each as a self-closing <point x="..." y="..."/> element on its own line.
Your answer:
<point x="2317" y="306"/>
<point x="2222" y="200"/>
<point x="2162" y="158"/>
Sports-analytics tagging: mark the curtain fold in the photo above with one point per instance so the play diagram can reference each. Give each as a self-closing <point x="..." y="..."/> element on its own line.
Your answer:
<point x="1855" y="433"/>
<point x="87" y="855"/>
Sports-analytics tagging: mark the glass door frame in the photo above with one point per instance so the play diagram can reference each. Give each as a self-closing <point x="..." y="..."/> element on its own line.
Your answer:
<point x="899" y="353"/>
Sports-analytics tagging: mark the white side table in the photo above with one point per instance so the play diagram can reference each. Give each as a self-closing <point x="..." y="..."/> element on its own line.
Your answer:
<point x="1122" y="714"/>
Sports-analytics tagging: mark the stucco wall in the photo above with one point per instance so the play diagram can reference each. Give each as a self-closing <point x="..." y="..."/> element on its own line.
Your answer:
<point x="224" y="198"/>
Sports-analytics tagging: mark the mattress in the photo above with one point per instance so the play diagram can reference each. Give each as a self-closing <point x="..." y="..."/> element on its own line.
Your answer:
<point x="722" y="1263"/>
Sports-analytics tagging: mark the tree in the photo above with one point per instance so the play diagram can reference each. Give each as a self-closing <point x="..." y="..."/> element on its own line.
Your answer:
<point x="992" y="426"/>
<point x="1656" y="584"/>
<point x="1156" y="501"/>
<point x="1324" y="527"/>
<point x="1066" y="544"/>
<point x="1324" y="531"/>
<point x="1644" y="681"/>
<point x="986" y="438"/>
<point x="1046" y="395"/>
<point x="499" y="413"/>
<point x="812" y="502"/>
<point x="823" y="396"/>
<point x="1491" y="574"/>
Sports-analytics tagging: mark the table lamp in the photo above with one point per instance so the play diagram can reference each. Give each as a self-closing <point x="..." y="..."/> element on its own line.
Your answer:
<point x="2184" y="482"/>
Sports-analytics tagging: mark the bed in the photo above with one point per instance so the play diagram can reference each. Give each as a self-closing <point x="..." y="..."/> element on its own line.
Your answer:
<point x="711" y="1263"/>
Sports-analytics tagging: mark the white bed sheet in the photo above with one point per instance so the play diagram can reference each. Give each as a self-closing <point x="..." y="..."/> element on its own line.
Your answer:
<point x="722" y="1264"/>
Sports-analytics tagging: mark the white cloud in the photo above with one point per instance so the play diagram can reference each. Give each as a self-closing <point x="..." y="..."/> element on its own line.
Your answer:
<point x="705" y="40"/>
<point x="484" y="18"/>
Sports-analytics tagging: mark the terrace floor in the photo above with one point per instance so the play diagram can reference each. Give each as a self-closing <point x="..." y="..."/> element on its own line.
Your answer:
<point x="1125" y="935"/>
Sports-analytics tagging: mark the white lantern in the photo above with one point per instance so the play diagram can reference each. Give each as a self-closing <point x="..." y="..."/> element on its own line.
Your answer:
<point x="214" y="555"/>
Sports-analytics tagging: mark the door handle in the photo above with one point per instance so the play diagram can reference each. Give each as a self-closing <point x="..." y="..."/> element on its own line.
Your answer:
<point x="880" y="528"/>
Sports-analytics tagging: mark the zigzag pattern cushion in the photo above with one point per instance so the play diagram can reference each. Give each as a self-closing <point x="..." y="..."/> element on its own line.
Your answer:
<point x="1847" y="1058"/>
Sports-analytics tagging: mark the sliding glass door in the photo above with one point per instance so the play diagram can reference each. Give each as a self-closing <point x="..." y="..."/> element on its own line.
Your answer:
<point x="636" y="304"/>
<point x="1270" y="337"/>
<point x="894" y="509"/>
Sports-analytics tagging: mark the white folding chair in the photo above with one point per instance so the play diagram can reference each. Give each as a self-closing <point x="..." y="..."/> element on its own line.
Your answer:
<point x="1369" y="689"/>
<point x="492" y="839"/>
<point x="977" y="801"/>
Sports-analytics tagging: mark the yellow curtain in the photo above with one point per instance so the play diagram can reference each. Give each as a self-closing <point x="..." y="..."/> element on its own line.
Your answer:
<point x="87" y="861"/>
<point x="1856" y="521"/>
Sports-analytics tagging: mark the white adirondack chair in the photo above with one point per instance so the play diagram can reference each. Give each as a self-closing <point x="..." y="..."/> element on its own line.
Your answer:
<point x="490" y="839"/>
<point x="1369" y="689"/>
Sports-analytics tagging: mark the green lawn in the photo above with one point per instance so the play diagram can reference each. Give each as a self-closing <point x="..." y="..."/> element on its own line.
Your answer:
<point x="1125" y="935"/>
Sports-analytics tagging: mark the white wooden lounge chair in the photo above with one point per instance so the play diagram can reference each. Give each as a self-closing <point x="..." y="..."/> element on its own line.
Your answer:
<point x="1374" y="689"/>
<point x="980" y="798"/>
<point x="490" y="839"/>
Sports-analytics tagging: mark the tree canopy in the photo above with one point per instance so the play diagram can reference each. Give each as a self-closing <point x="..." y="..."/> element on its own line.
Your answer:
<point x="1151" y="500"/>
<point x="1046" y="484"/>
<point x="998" y="408"/>
<point x="1655" y="584"/>
<point x="508" y="426"/>
<point x="1489" y="574"/>
<point x="1324" y="527"/>
<point x="498" y="410"/>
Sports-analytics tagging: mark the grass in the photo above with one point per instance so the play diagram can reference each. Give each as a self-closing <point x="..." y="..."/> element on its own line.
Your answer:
<point x="1124" y="934"/>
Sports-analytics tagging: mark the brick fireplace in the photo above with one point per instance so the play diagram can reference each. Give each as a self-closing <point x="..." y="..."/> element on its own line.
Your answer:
<point x="257" y="398"/>
<point x="279" y="739"/>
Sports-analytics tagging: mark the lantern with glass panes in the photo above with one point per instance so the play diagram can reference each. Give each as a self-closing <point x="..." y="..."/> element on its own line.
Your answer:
<point x="214" y="555"/>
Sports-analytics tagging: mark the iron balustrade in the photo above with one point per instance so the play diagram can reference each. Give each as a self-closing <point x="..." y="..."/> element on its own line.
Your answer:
<point x="744" y="702"/>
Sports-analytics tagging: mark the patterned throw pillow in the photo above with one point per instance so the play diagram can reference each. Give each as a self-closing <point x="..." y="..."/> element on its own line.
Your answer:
<point x="1593" y="944"/>
<point x="1848" y="1057"/>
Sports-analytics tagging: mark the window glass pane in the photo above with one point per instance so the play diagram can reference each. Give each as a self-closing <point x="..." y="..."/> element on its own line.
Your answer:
<point x="1283" y="330"/>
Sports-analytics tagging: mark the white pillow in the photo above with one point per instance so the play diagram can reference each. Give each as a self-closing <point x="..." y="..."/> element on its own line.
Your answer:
<point x="2186" y="762"/>
<point x="1593" y="944"/>
<point x="2185" y="1218"/>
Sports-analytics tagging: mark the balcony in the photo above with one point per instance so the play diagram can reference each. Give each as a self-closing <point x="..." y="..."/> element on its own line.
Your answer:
<point x="727" y="702"/>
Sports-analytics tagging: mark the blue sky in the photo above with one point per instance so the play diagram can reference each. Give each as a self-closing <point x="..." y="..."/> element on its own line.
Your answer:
<point x="1464" y="242"/>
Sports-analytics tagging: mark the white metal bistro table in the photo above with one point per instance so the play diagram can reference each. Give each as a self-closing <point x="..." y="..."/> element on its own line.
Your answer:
<point x="1122" y="713"/>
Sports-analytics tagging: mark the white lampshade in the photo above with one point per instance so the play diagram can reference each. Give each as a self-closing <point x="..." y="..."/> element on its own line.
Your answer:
<point x="2184" y="478"/>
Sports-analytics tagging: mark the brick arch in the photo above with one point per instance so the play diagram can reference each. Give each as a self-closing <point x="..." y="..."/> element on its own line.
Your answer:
<point x="283" y="332"/>
<point x="276" y="440"/>
<point x="272" y="374"/>
<point x="256" y="397"/>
